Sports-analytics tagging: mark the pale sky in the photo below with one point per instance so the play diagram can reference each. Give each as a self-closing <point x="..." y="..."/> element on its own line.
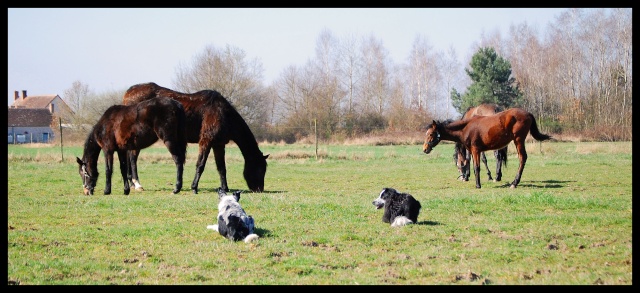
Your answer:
<point x="114" y="48"/>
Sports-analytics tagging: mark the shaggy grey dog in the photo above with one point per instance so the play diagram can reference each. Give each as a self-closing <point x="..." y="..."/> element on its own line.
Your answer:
<point x="233" y="222"/>
<point x="399" y="208"/>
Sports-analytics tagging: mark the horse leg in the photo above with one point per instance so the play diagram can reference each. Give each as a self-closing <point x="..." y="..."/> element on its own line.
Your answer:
<point x="522" y="155"/>
<point x="218" y="153"/>
<point x="460" y="163"/>
<point x="124" y="169"/>
<point x="133" y="168"/>
<point x="108" y="168"/>
<point x="467" y="166"/>
<point x="484" y="161"/>
<point x="476" y="167"/>
<point x="178" y="154"/>
<point x="200" y="164"/>
<point x="500" y="157"/>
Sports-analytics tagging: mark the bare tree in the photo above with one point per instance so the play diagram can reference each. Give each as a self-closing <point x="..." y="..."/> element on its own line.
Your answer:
<point x="229" y="72"/>
<point x="375" y="89"/>
<point x="421" y="73"/>
<point x="76" y="95"/>
<point x="349" y="70"/>
<point x="451" y="72"/>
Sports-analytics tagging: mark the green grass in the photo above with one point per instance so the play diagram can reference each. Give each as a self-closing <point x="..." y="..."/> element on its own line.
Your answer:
<point x="569" y="221"/>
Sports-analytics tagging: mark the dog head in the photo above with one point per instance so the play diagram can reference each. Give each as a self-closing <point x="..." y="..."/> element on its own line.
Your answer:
<point x="235" y="194"/>
<point x="385" y="195"/>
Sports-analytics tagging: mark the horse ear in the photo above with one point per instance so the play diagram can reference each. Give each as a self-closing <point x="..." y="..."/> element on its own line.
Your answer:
<point x="265" y="157"/>
<point x="434" y="123"/>
<point x="80" y="162"/>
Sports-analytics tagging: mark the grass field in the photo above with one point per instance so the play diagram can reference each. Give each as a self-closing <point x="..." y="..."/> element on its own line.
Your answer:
<point x="569" y="221"/>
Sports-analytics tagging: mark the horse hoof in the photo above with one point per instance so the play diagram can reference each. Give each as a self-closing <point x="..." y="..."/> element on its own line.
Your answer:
<point x="140" y="188"/>
<point x="512" y="186"/>
<point x="126" y="192"/>
<point x="195" y="191"/>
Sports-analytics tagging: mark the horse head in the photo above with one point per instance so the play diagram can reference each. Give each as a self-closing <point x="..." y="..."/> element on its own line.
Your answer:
<point x="254" y="173"/>
<point x="432" y="138"/>
<point x="88" y="180"/>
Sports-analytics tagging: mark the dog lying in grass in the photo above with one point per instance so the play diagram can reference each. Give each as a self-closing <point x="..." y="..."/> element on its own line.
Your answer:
<point x="233" y="221"/>
<point x="400" y="209"/>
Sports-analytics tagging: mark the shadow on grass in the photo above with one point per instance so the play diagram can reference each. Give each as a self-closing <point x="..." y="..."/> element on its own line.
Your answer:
<point x="262" y="232"/>
<point x="538" y="184"/>
<point x="429" y="223"/>
<point x="231" y="190"/>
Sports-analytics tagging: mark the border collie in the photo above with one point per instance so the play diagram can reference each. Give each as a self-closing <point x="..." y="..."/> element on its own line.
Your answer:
<point x="399" y="208"/>
<point x="233" y="222"/>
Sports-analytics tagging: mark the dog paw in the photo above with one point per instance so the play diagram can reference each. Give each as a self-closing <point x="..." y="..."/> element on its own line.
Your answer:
<point x="212" y="227"/>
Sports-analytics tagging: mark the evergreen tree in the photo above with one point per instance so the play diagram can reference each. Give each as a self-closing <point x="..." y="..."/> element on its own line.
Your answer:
<point x="491" y="83"/>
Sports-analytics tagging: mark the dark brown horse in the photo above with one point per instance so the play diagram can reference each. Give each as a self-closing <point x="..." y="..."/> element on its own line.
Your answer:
<point x="462" y="156"/>
<point x="211" y="122"/>
<point x="134" y="127"/>
<point x="485" y="133"/>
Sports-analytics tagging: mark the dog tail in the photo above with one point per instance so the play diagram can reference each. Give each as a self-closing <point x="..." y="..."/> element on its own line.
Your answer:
<point x="251" y="237"/>
<point x="401" y="221"/>
<point x="212" y="227"/>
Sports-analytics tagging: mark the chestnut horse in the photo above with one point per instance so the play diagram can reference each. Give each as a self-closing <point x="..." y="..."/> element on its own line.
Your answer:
<point x="462" y="156"/>
<point x="485" y="133"/>
<point x="211" y="122"/>
<point x="134" y="127"/>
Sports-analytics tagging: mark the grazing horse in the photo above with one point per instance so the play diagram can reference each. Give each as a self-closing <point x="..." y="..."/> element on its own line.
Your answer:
<point x="134" y="127"/>
<point x="211" y="122"/>
<point x="462" y="156"/>
<point x="484" y="133"/>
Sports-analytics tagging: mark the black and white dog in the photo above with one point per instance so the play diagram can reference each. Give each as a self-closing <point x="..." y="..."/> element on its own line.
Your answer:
<point x="233" y="222"/>
<point x="399" y="208"/>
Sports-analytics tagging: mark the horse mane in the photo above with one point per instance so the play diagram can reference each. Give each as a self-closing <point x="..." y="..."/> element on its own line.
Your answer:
<point x="451" y="124"/>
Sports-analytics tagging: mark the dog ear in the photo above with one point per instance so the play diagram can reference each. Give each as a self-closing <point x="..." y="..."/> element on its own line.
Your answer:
<point x="221" y="192"/>
<point x="236" y="194"/>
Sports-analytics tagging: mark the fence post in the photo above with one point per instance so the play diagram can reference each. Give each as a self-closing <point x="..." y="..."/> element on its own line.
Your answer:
<point x="315" y="130"/>
<point x="61" y="151"/>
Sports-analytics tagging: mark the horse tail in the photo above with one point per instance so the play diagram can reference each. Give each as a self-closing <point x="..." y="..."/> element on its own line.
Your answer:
<point x="501" y="155"/>
<point x="534" y="130"/>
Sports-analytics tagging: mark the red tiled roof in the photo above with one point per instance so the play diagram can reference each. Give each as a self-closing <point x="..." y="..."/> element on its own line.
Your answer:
<point x="34" y="101"/>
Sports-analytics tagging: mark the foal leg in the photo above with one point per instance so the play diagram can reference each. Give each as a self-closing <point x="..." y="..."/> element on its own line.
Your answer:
<point x="178" y="153"/>
<point x="218" y="153"/>
<point x="108" y="168"/>
<point x="501" y="156"/>
<point x="484" y="161"/>
<point x="203" y="154"/>
<point x="124" y="169"/>
<point x="522" y="154"/>
<point x="476" y="167"/>
<point x="467" y="166"/>
<point x="133" y="167"/>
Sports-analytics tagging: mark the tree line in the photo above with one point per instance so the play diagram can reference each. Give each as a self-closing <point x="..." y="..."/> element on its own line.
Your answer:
<point x="575" y="76"/>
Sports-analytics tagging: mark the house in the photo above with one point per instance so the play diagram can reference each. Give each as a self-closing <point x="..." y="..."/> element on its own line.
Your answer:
<point x="30" y="117"/>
